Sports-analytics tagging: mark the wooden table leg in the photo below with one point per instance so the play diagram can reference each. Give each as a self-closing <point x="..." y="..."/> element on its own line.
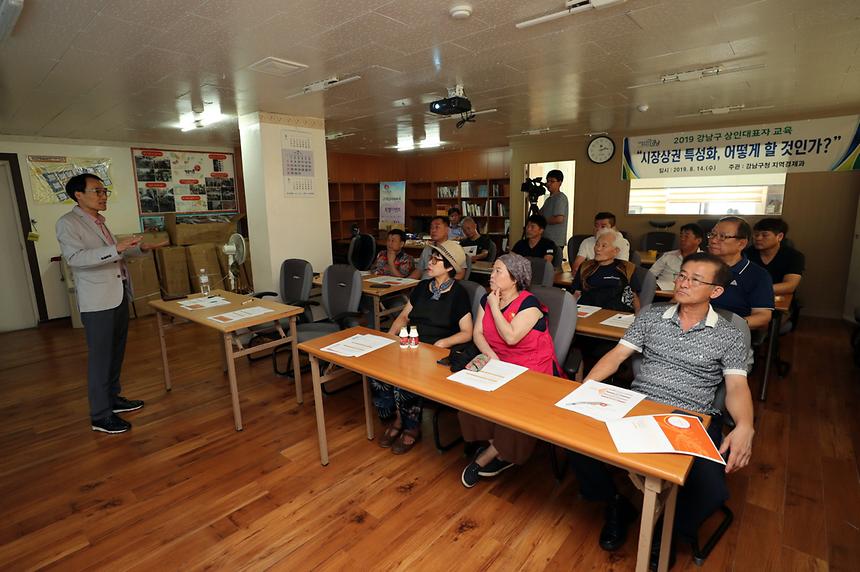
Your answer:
<point x="377" y="308"/>
<point x="646" y="528"/>
<point x="159" y="320"/>
<point x="668" y="526"/>
<point x="318" y="406"/>
<point x="297" y="369"/>
<point x="368" y="407"/>
<point x="231" y="375"/>
<point x="773" y="340"/>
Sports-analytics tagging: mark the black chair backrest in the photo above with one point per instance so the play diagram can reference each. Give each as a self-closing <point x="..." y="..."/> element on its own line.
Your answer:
<point x="296" y="280"/>
<point x="573" y="245"/>
<point x="362" y="251"/>
<point x="635" y="257"/>
<point x="543" y="273"/>
<point x="341" y="289"/>
<point x="476" y="292"/>
<point x="491" y="253"/>
<point x="561" y="306"/>
<point x="660" y="241"/>
<point x="647" y="286"/>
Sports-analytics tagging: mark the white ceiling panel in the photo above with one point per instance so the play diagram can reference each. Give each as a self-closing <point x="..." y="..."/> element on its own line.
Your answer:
<point x="126" y="69"/>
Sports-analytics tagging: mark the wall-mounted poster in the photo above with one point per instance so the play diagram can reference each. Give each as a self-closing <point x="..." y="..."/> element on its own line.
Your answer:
<point x="49" y="174"/>
<point x="183" y="182"/>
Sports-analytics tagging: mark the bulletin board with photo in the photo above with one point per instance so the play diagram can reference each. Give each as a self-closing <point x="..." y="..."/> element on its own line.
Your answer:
<point x="189" y="183"/>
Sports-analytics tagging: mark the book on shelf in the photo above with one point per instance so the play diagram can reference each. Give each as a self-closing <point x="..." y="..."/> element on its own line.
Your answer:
<point x="466" y="189"/>
<point x="446" y="191"/>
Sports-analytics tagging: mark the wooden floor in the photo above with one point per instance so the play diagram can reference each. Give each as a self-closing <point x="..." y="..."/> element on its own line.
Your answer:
<point x="184" y="491"/>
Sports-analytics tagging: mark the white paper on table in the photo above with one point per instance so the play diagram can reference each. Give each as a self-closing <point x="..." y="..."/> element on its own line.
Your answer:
<point x="584" y="310"/>
<point x="358" y="345"/>
<point x="238" y="315"/>
<point x="393" y="280"/>
<point x="600" y="401"/>
<point x="620" y="320"/>
<point x="664" y="433"/>
<point x="492" y="376"/>
<point x="203" y="303"/>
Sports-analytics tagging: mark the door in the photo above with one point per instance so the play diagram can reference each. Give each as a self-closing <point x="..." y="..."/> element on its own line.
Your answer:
<point x="18" y="310"/>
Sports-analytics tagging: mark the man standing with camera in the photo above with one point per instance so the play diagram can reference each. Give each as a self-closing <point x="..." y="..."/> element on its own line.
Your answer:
<point x="555" y="209"/>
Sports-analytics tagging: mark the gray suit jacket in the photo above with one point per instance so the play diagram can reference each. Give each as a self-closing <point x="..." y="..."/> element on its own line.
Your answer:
<point x="97" y="266"/>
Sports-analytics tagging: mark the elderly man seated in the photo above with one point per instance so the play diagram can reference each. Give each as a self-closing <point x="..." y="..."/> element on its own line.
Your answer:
<point x="688" y="351"/>
<point x="606" y="280"/>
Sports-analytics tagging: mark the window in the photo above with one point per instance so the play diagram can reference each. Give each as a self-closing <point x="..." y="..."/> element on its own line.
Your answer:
<point x="568" y="168"/>
<point x="732" y="194"/>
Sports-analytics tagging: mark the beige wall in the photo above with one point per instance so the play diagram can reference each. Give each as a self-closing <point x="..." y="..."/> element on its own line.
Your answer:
<point x="122" y="213"/>
<point x="819" y="207"/>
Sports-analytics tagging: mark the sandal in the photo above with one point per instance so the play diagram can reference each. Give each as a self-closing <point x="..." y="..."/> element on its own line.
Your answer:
<point x="401" y="447"/>
<point x="389" y="436"/>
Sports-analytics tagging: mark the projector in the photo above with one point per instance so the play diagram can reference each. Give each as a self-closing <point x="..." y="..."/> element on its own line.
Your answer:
<point x="451" y="106"/>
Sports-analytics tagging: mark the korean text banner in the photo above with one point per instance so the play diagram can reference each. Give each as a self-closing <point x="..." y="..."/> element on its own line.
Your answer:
<point x="392" y="204"/>
<point x="49" y="174"/>
<point x="831" y="144"/>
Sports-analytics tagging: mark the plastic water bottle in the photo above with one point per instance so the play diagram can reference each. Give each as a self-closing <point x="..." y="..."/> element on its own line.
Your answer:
<point x="404" y="338"/>
<point x="413" y="337"/>
<point x="203" y="279"/>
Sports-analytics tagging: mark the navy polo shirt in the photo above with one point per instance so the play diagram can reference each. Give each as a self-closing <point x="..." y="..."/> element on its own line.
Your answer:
<point x="751" y="287"/>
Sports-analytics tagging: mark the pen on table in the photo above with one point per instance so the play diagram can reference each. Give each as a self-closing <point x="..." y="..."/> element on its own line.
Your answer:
<point x="249" y="300"/>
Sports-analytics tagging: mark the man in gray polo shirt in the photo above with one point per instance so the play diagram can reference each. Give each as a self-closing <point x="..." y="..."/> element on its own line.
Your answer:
<point x="555" y="211"/>
<point x="687" y="351"/>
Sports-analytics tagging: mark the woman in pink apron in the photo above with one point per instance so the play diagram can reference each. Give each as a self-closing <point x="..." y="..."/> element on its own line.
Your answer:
<point x="511" y="326"/>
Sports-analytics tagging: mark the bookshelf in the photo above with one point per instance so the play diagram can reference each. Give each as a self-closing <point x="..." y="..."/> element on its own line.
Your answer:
<point x="434" y="183"/>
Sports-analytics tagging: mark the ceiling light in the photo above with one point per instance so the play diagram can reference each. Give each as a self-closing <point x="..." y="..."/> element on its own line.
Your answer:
<point x="9" y="12"/>
<point x="461" y="12"/>
<point x="337" y="135"/>
<point x="725" y="110"/>
<point x="324" y="85"/>
<point x="191" y="121"/>
<point x="701" y="73"/>
<point x="571" y="7"/>
<point x="539" y="131"/>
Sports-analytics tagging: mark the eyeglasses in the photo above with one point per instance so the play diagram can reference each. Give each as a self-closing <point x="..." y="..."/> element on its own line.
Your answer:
<point x="434" y="258"/>
<point x="99" y="192"/>
<point x="721" y="236"/>
<point x="681" y="277"/>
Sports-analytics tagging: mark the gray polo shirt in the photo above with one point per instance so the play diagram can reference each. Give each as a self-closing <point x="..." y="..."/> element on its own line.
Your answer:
<point x="552" y="206"/>
<point x="680" y="368"/>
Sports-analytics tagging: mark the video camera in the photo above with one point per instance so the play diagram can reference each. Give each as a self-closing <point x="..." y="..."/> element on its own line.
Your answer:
<point x="534" y="187"/>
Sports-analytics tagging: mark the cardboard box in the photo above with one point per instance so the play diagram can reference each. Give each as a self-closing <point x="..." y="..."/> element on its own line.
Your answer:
<point x="173" y="270"/>
<point x="184" y="233"/>
<point x="205" y="256"/>
<point x="148" y="237"/>
<point x="144" y="283"/>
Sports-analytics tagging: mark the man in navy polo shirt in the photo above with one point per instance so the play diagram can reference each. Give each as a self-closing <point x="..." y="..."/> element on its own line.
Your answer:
<point x="750" y="292"/>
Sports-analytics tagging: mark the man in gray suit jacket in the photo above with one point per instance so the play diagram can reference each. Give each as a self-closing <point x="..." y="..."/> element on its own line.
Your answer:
<point x="102" y="285"/>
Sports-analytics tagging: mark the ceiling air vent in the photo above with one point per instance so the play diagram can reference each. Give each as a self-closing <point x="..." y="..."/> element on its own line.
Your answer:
<point x="277" y="66"/>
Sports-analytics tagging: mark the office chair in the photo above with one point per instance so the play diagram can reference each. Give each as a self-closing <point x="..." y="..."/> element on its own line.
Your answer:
<point x="476" y="292"/>
<point x="491" y="253"/>
<point x="636" y="258"/>
<point x="647" y="286"/>
<point x="543" y="272"/>
<point x="573" y="245"/>
<point x="296" y="280"/>
<point x="341" y="294"/>
<point x="561" y="323"/>
<point x="362" y="251"/>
